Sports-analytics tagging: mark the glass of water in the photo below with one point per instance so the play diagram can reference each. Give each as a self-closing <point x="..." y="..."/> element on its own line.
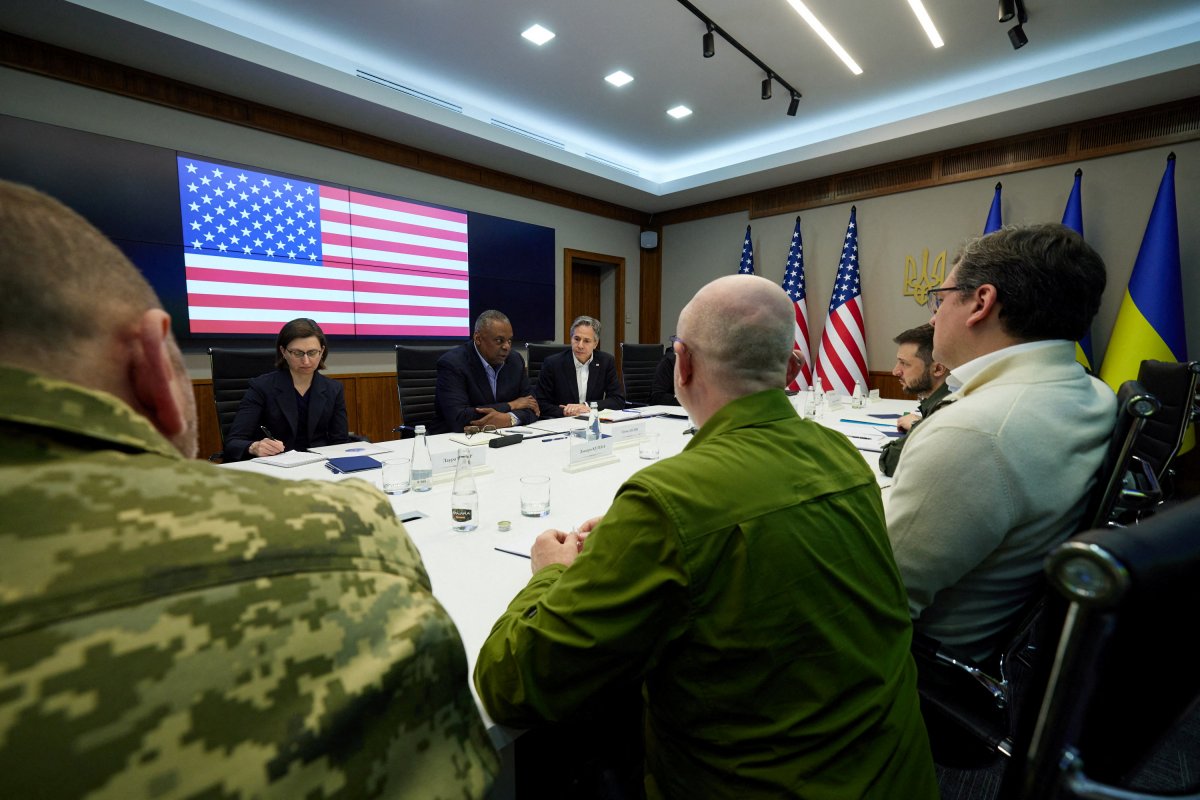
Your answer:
<point x="535" y="495"/>
<point x="396" y="475"/>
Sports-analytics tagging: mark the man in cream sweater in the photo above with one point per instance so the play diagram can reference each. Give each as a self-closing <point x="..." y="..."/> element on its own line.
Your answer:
<point x="1001" y="475"/>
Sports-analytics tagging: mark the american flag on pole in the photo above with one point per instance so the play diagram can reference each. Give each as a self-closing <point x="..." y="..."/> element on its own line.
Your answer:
<point x="746" y="266"/>
<point x="793" y="284"/>
<point x="261" y="249"/>
<point x="842" y="359"/>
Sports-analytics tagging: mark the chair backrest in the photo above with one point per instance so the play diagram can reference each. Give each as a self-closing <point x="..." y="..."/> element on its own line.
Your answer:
<point x="1134" y="407"/>
<point x="232" y="368"/>
<point x="416" y="378"/>
<point x="1124" y="672"/>
<point x="1174" y="384"/>
<point x="638" y="363"/>
<point x="537" y="354"/>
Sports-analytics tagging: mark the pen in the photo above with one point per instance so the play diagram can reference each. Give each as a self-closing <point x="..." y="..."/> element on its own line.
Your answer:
<point x="510" y="552"/>
<point x="266" y="432"/>
<point x="864" y="422"/>
<point x="551" y="439"/>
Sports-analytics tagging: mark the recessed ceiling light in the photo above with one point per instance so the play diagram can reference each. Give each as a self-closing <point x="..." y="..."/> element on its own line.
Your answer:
<point x="926" y="21"/>
<point x="538" y="35"/>
<point x="619" y="78"/>
<point x="679" y="112"/>
<point x="825" y="35"/>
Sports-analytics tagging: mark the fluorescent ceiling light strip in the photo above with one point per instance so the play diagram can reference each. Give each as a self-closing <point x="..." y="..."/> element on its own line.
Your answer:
<point x="825" y="35"/>
<point x="926" y="21"/>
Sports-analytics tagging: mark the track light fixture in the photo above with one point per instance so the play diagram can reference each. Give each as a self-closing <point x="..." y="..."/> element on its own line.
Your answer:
<point x="1015" y="8"/>
<point x="1016" y="35"/>
<point x="772" y="76"/>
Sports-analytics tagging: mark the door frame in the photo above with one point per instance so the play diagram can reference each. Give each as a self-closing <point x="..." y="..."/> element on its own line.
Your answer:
<point x="617" y="337"/>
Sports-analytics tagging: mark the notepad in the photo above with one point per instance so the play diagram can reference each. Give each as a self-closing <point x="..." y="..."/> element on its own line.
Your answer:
<point x="291" y="458"/>
<point x="352" y="464"/>
<point x="474" y="440"/>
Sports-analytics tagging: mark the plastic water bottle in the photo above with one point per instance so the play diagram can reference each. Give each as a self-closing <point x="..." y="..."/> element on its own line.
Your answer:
<point x="422" y="464"/>
<point x="464" y="500"/>
<point x="857" y="399"/>
<point x="810" y="403"/>
<point x="593" y="425"/>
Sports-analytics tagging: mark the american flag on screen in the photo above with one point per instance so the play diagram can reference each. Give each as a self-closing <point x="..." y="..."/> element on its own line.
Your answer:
<point x="793" y="284"/>
<point x="261" y="249"/>
<point x="746" y="265"/>
<point x="842" y="359"/>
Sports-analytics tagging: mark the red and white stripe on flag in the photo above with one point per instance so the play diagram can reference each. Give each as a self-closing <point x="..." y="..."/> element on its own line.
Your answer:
<point x="842" y="359"/>
<point x="793" y="285"/>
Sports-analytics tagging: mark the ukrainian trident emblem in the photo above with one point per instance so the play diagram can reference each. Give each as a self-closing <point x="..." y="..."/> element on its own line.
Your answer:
<point x="918" y="281"/>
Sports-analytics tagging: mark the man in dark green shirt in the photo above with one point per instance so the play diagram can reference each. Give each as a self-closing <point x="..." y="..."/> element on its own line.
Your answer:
<point x="746" y="583"/>
<point x="920" y="375"/>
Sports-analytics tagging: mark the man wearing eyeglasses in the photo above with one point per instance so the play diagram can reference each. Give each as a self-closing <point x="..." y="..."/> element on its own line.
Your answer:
<point x="483" y="381"/>
<point x="570" y="380"/>
<point x="746" y="585"/>
<point x="1001" y="474"/>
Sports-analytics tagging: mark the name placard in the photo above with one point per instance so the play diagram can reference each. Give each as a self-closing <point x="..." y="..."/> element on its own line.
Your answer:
<point x="626" y="433"/>
<point x="447" y="460"/>
<point x="586" y="453"/>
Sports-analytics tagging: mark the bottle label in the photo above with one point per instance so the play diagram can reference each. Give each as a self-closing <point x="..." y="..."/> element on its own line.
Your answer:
<point x="461" y="514"/>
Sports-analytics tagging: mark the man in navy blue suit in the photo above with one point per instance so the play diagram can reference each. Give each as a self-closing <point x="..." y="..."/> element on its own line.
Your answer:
<point x="483" y="382"/>
<point x="571" y="380"/>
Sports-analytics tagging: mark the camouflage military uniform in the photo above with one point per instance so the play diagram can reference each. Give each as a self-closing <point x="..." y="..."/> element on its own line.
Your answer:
<point x="169" y="629"/>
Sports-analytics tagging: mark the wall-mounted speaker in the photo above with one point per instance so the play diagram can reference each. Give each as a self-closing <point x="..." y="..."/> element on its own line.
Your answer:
<point x="649" y="240"/>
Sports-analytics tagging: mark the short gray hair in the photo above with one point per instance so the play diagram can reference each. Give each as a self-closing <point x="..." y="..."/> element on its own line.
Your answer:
<point x="488" y="317"/>
<point x="591" y="322"/>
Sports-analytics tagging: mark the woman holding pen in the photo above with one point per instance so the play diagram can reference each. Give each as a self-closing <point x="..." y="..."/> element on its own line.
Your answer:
<point x="294" y="407"/>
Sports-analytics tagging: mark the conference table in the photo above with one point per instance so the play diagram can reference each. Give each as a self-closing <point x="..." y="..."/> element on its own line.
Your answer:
<point x="476" y="574"/>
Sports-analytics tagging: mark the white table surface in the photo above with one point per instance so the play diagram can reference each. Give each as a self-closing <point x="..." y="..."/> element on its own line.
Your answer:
<point x="474" y="581"/>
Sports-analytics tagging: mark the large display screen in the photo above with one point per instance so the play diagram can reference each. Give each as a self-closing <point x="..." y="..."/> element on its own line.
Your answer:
<point x="235" y="251"/>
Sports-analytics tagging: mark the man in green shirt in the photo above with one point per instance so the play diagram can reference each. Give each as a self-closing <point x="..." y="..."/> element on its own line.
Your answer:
<point x="746" y="583"/>
<point x="921" y="376"/>
<point x="172" y="629"/>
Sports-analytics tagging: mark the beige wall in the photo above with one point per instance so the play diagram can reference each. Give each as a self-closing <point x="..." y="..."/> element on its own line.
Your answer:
<point x="1118" y="193"/>
<point x="44" y="100"/>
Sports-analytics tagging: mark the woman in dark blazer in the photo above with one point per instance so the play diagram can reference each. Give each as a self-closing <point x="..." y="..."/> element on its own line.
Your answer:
<point x="294" y="407"/>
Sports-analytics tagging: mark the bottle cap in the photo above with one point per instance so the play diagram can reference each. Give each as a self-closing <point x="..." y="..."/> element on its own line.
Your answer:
<point x="504" y="525"/>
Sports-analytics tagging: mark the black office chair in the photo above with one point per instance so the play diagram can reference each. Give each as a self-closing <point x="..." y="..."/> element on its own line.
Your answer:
<point x="416" y="379"/>
<point x="1174" y="384"/>
<point x="973" y="710"/>
<point x="537" y="353"/>
<point x="1124" y="671"/>
<point x="638" y="363"/>
<point x="1126" y="485"/>
<point x="232" y="368"/>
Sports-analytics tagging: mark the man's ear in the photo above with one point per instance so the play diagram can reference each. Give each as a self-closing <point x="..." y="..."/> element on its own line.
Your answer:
<point x="984" y="302"/>
<point x="155" y="383"/>
<point x="938" y="369"/>
<point x="683" y="368"/>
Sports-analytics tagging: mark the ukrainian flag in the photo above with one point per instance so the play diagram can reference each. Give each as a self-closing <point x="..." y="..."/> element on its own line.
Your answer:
<point x="1073" y="219"/>
<point x="993" y="223"/>
<point x="1150" y="321"/>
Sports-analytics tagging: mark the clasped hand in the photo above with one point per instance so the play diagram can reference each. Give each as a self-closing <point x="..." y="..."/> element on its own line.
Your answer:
<point x="560" y="547"/>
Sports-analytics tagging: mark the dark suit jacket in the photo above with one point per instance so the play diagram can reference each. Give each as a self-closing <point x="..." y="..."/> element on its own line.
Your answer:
<point x="462" y="386"/>
<point x="557" y="385"/>
<point x="662" y="388"/>
<point x="270" y="401"/>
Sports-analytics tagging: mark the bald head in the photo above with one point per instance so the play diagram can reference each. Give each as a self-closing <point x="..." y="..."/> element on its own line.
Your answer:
<point x="62" y="282"/>
<point x="740" y="327"/>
